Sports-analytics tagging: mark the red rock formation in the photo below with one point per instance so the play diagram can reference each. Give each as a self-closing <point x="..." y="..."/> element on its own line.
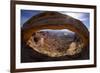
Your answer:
<point x="55" y="20"/>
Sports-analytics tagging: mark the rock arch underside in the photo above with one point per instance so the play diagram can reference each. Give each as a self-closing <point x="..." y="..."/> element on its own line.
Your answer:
<point x="31" y="32"/>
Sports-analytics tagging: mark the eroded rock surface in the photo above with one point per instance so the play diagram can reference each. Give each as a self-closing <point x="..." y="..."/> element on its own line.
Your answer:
<point x="56" y="43"/>
<point x="45" y="46"/>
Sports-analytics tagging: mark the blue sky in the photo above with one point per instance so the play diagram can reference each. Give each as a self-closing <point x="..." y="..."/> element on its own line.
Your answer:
<point x="84" y="17"/>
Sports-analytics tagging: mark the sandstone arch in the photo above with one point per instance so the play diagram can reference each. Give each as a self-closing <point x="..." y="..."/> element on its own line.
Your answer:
<point x="54" y="20"/>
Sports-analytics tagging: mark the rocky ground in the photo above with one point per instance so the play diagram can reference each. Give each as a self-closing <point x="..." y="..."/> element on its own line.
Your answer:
<point x="53" y="45"/>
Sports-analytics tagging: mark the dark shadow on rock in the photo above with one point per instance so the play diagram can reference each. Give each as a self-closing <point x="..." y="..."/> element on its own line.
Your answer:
<point x="30" y="55"/>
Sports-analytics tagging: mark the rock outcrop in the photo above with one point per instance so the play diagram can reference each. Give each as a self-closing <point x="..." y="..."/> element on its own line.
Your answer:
<point x="54" y="46"/>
